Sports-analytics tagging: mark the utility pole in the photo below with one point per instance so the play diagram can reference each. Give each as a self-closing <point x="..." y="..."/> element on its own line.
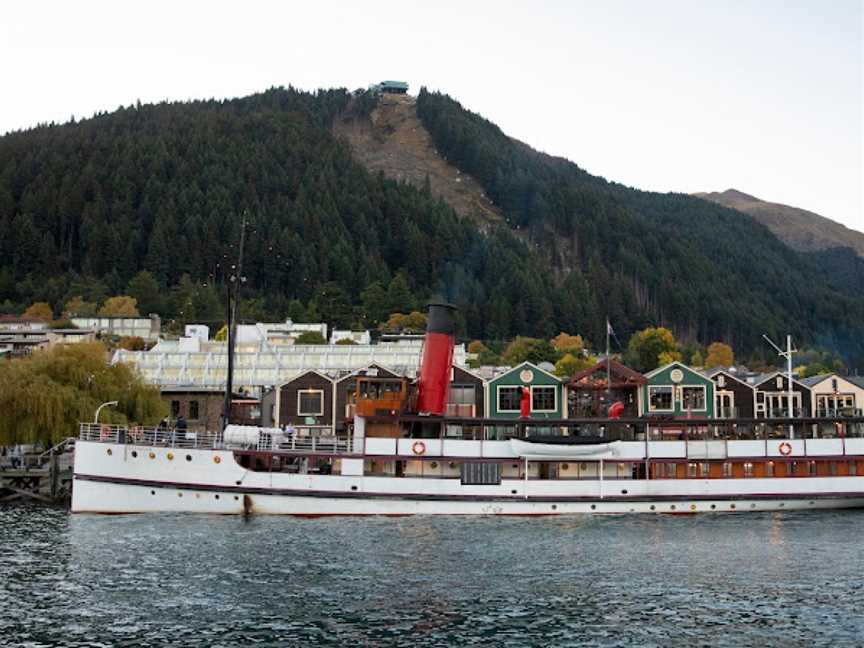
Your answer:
<point x="791" y="392"/>
<point x="237" y="279"/>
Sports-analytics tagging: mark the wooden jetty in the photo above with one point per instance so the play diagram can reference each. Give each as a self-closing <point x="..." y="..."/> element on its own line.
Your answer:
<point x="44" y="477"/>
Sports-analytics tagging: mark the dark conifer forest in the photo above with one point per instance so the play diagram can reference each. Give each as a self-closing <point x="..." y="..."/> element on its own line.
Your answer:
<point x="86" y="206"/>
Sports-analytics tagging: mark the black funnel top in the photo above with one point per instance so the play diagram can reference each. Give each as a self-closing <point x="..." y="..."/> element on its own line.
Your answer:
<point x="440" y="319"/>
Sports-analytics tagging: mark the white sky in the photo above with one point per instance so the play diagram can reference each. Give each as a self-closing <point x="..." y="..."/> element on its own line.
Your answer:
<point x="669" y="95"/>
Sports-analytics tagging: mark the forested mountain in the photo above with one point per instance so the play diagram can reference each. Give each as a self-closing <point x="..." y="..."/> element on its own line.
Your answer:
<point x="86" y="206"/>
<point x="708" y="271"/>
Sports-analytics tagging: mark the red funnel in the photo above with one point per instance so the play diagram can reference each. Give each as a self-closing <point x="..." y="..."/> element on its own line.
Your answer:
<point x="437" y="360"/>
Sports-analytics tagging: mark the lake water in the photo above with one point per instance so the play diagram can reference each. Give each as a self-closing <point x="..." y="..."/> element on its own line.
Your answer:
<point x="173" y="580"/>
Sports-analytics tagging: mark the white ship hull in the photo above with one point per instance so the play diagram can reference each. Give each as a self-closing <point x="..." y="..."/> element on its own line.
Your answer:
<point x="108" y="479"/>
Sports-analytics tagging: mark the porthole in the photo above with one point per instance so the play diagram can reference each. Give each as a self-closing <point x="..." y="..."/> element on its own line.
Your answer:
<point x="134" y="454"/>
<point x="513" y="492"/>
<point x="179" y="494"/>
<point x="593" y="507"/>
<point x="236" y="497"/>
<point x="782" y="504"/>
<point x="812" y="503"/>
<point x="624" y="491"/>
<point x="353" y="488"/>
<point x="237" y="482"/>
<point x="554" y="507"/>
<point x="216" y="496"/>
<point x="152" y="492"/>
<point x="188" y="457"/>
<point x="152" y="455"/>
<point x="672" y="508"/>
<point x="565" y="466"/>
<point x="515" y="465"/>
<point x="731" y="506"/>
<point x="713" y="507"/>
<point x="692" y="507"/>
<point x="217" y="459"/>
<point x="452" y="464"/>
<point x="653" y="508"/>
<point x="583" y="466"/>
<point x="109" y="452"/>
<point x="752" y="506"/>
<point x="433" y="465"/>
<point x="170" y="456"/>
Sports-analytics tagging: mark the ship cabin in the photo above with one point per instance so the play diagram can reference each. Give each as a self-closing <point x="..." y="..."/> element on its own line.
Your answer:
<point x="346" y="393"/>
<point x="772" y="396"/>
<point x="833" y="395"/>
<point x="733" y="396"/>
<point x="306" y="403"/>
<point x="594" y="390"/>
<point x="677" y="391"/>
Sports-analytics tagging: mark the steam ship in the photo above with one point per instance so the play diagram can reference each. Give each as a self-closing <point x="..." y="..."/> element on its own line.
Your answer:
<point x="404" y="456"/>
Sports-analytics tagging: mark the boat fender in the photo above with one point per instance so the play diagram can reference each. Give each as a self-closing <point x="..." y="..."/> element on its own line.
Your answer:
<point x="418" y="448"/>
<point x="785" y="449"/>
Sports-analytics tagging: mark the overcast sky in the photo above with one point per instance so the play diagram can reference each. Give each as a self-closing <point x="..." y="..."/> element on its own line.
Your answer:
<point x="763" y="96"/>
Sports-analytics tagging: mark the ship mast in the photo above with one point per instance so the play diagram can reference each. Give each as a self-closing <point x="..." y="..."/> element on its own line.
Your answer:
<point x="233" y="282"/>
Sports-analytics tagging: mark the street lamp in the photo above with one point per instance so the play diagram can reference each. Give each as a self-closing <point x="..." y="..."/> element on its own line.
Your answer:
<point x="99" y="409"/>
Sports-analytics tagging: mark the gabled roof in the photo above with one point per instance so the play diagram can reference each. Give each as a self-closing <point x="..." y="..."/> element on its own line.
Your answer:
<point x="812" y="381"/>
<point x="374" y="365"/>
<point x="530" y="365"/>
<point x="615" y="368"/>
<point x="305" y="373"/>
<point x="858" y="381"/>
<point x="716" y="371"/>
<point x="658" y="370"/>
<point x="766" y="377"/>
<point x="469" y="372"/>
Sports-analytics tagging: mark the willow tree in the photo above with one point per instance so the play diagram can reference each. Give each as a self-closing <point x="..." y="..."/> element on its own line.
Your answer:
<point x="45" y="396"/>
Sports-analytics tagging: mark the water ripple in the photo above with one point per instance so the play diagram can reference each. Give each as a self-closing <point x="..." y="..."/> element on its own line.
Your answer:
<point x="170" y="580"/>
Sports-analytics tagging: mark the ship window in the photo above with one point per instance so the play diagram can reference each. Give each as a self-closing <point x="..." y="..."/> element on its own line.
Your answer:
<point x="509" y="399"/>
<point x="727" y="469"/>
<point x="769" y="469"/>
<point x="693" y="398"/>
<point x="193" y="410"/>
<point x="704" y="469"/>
<point x="660" y="398"/>
<point x="175" y="409"/>
<point x="691" y="469"/>
<point x="748" y="469"/>
<point x="310" y="402"/>
<point x="543" y="399"/>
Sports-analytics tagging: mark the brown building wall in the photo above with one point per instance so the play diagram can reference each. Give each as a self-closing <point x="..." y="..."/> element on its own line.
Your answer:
<point x="288" y="399"/>
<point x="462" y="377"/>
<point x="209" y="409"/>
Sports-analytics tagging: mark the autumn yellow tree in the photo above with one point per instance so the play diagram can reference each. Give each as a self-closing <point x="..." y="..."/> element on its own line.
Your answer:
<point x="120" y="306"/>
<point x="566" y="343"/>
<point x="652" y="348"/>
<point x="77" y="307"/>
<point x="719" y="355"/>
<point x="39" y="310"/>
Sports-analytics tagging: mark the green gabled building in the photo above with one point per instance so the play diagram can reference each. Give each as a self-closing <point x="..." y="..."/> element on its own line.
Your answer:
<point x="677" y="390"/>
<point x="548" y="400"/>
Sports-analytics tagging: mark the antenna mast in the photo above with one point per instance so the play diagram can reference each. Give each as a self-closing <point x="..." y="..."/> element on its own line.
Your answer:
<point x="788" y="355"/>
<point x="237" y="279"/>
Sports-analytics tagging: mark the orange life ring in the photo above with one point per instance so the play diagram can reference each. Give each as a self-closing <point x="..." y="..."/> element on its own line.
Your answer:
<point x="785" y="448"/>
<point x="105" y="433"/>
<point x="418" y="448"/>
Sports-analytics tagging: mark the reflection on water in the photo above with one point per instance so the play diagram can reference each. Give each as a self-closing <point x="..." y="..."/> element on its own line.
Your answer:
<point x="172" y="580"/>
